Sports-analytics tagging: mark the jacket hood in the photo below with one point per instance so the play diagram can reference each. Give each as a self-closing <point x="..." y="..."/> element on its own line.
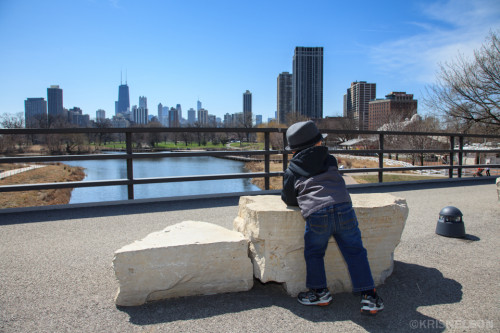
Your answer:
<point x="312" y="161"/>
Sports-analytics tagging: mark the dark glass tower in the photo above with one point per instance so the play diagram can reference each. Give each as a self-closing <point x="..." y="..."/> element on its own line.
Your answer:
<point x="284" y="94"/>
<point x="308" y="82"/>
<point x="123" y="99"/>
<point x="54" y="103"/>
<point x="247" y="105"/>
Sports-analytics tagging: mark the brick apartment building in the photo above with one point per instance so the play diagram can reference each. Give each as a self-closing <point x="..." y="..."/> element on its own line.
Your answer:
<point x="396" y="107"/>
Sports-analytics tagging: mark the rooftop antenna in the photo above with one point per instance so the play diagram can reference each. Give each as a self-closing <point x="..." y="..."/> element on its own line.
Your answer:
<point x="126" y="77"/>
<point x="121" y="82"/>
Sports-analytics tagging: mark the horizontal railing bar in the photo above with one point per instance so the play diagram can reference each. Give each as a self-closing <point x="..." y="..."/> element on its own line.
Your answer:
<point x="61" y="158"/>
<point x="29" y="131"/>
<point x="137" y="181"/>
<point x="123" y="156"/>
<point x="141" y="181"/>
<point x="51" y="186"/>
<point x="207" y="153"/>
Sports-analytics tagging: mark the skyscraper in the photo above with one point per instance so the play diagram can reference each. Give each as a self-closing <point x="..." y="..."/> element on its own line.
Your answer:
<point x="160" y="113"/>
<point x="173" y="117"/>
<point x="258" y="120"/>
<point x="202" y="117"/>
<point x="191" y="116"/>
<point x="356" y="102"/>
<point x="179" y="111"/>
<point x="35" y="112"/>
<point x="285" y="96"/>
<point x="308" y="82"/>
<point x="247" y="108"/>
<point x="140" y="114"/>
<point x="143" y="102"/>
<point x="100" y="115"/>
<point x="123" y="103"/>
<point x="55" y="103"/>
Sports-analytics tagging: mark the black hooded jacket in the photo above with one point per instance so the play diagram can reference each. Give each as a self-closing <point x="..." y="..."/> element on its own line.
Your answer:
<point x="312" y="181"/>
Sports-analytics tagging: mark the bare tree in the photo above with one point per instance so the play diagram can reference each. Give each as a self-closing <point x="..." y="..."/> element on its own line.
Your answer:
<point x="469" y="89"/>
<point x="421" y="142"/>
<point x="9" y="143"/>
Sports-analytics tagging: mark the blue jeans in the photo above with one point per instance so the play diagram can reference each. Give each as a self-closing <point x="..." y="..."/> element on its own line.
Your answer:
<point x="339" y="221"/>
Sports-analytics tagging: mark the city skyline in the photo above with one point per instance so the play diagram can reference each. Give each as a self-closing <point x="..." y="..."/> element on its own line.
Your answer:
<point x="189" y="51"/>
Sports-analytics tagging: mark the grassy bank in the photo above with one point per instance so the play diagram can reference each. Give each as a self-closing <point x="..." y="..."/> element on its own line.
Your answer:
<point x="52" y="173"/>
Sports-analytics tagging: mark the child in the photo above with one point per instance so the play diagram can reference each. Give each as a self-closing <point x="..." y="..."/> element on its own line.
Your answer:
<point x="313" y="182"/>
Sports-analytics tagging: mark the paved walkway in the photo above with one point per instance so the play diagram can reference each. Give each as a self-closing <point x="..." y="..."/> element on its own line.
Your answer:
<point x="12" y="172"/>
<point x="56" y="274"/>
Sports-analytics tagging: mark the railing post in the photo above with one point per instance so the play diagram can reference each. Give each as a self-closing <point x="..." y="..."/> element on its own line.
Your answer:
<point x="381" y="158"/>
<point x="266" y="161"/>
<point x="460" y="155"/>
<point x="130" y="165"/>
<point x="452" y="154"/>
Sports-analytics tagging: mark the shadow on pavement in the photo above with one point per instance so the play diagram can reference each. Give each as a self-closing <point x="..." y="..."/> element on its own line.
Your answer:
<point x="408" y="288"/>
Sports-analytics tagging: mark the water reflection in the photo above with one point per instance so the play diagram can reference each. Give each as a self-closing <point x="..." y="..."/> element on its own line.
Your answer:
<point x="160" y="167"/>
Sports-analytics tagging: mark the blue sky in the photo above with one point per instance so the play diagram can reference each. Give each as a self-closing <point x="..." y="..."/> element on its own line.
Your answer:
<point x="174" y="52"/>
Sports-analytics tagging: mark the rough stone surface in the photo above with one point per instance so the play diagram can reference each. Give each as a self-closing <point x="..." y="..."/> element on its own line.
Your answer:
<point x="189" y="258"/>
<point x="498" y="188"/>
<point x="276" y="239"/>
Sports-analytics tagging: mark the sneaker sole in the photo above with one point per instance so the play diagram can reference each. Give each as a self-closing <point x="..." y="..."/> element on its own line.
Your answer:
<point x="371" y="312"/>
<point x="321" y="303"/>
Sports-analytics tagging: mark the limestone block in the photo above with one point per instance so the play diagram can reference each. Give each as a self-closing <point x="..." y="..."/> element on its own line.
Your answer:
<point x="189" y="258"/>
<point x="276" y="234"/>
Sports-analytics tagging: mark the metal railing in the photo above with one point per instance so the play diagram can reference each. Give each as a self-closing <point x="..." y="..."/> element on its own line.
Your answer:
<point x="453" y="150"/>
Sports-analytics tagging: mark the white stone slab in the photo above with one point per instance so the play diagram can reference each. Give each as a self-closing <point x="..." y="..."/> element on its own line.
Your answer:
<point x="276" y="234"/>
<point x="189" y="258"/>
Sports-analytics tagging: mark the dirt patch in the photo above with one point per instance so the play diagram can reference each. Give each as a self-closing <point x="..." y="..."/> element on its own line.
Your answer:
<point x="275" y="183"/>
<point x="52" y="173"/>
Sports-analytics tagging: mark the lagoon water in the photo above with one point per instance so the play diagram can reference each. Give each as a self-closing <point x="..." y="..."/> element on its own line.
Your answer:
<point x="159" y="167"/>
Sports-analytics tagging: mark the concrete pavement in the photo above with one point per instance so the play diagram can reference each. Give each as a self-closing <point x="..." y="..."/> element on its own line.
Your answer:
<point x="56" y="274"/>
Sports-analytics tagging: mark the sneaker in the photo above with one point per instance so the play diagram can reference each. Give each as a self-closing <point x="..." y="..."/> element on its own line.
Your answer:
<point x="371" y="305"/>
<point x="321" y="297"/>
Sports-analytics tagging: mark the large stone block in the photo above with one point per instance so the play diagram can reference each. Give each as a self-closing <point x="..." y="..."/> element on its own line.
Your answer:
<point x="189" y="258"/>
<point x="276" y="234"/>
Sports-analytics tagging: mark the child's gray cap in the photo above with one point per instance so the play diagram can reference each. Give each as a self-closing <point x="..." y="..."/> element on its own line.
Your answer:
<point x="303" y="135"/>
